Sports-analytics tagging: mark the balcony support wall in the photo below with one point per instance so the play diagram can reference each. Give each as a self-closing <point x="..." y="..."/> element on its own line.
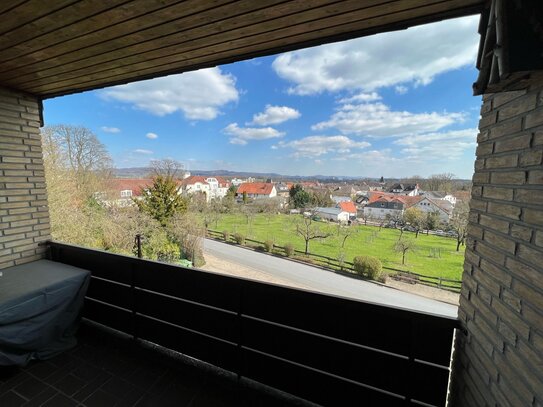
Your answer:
<point x="500" y="360"/>
<point x="24" y="215"/>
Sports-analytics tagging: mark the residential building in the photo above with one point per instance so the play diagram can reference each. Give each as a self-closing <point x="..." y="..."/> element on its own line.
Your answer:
<point x="238" y="181"/>
<point x="343" y="191"/>
<point x="332" y="214"/>
<point x="256" y="190"/>
<point x="214" y="187"/>
<point x="404" y="189"/>
<point x="442" y="208"/>
<point x="440" y="196"/>
<point x="283" y="188"/>
<point x="381" y="205"/>
<point x="349" y="207"/>
<point x="122" y="191"/>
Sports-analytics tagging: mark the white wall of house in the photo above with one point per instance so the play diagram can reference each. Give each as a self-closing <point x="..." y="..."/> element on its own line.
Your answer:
<point x="427" y="206"/>
<point x="272" y="194"/>
<point x="198" y="187"/>
<point x="339" y="217"/>
<point x="381" y="213"/>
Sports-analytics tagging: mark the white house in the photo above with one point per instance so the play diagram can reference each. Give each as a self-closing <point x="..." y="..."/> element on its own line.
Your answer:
<point x="405" y="189"/>
<point x="213" y="187"/>
<point x="440" y="196"/>
<point x="333" y="214"/>
<point x="383" y="204"/>
<point x="442" y="208"/>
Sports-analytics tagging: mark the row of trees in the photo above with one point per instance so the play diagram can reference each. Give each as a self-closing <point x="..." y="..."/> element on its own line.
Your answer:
<point x="445" y="182"/>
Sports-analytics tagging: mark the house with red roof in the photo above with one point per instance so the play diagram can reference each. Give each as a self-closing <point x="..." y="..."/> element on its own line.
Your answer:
<point x="347" y="206"/>
<point x="257" y="190"/>
<point x="124" y="188"/>
<point x="122" y="191"/>
<point x="382" y="204"/>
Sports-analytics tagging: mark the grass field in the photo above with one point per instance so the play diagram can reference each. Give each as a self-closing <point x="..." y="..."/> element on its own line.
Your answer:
<point x="434" y="256"/>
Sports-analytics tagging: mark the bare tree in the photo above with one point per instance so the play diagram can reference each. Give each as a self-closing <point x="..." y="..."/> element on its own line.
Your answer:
<point x="345" y="232"/>
<point x="415" y="218"/>
<point x="76" y="167"/>
<point x="404" y="246"/>
<point x="307" y="228"/>
<point x="440" y="182"/>
<point x="189" y="233"/>
<point x="167" y="168"/>
<point x="76" y="151"/>
<point x="459" y="222"/>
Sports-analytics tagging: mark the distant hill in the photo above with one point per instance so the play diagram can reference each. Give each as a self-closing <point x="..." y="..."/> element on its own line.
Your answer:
<point x="142" y="172"/>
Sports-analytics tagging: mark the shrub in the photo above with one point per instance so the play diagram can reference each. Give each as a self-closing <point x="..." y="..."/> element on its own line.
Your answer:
<point x="368" y="266"/>
<point x="226" y="235"/>
<point x="383" y="278"/>
<point x="289" y="249"/>
<point x="239" y="238"/>
<point x="268" y="246"/>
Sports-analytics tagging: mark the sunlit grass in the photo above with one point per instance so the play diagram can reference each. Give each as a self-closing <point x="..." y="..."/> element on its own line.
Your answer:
<point x="434" y="256"/>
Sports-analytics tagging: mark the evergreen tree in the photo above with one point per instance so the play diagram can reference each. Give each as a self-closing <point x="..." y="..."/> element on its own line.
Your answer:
<point x="162" y="200"/>
<point x="298" y="197"/>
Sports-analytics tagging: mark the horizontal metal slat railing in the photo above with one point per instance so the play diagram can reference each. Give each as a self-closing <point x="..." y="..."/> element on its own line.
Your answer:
<point x="326" y="349"/>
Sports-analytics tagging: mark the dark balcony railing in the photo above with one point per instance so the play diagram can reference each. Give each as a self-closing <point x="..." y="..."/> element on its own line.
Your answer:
<point x="329" y="350"/>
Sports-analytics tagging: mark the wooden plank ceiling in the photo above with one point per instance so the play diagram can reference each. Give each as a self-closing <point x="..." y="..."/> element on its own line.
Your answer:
<point x="57" y="47"/>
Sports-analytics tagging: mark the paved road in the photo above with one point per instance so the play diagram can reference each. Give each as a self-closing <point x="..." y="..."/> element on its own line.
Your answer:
<point x="325" y="281"/>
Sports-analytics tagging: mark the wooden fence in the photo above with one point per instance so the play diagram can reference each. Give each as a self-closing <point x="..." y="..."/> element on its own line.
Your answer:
<point x="347" y="267"/>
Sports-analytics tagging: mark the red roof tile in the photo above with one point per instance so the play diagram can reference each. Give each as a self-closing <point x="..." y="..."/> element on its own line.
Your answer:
<point x="136" y="185"/>
<point x="255" y="188"/>
<point x="388" y="197"/>
<point x="347" y="206"/>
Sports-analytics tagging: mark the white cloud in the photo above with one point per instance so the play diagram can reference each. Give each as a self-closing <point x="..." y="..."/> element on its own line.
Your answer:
<point x="142" y="151"/>
<point x="275" y="115"/>
<point x="377" y="120"/>
<point x="199" y="95"/>
<point x="241" y="135"/>
<point x="151" y="136"/>
<point x="110" y="129"/>
<point x="415" y="55"/>
<point x="315" y="146"/>
<point x="446" y="146"/>
<point x="401" y="90"/>
<point x="361" y="97"/>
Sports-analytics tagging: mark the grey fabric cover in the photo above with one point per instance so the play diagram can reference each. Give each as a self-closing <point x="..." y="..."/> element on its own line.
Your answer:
<point x="40" y="304"/>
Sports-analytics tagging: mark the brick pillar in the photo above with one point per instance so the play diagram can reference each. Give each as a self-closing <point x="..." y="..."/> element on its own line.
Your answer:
<point x="500" y="360"/>
<point x="24" y="215"/>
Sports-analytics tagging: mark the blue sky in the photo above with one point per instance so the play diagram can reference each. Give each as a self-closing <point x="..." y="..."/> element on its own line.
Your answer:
<point x="395" y="104"/>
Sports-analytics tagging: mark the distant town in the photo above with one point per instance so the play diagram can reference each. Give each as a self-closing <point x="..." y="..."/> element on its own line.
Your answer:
<point x="342" y="199"/>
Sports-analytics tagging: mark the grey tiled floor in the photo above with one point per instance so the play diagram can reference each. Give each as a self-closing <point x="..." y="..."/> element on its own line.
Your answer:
<point x="106" y="371"/>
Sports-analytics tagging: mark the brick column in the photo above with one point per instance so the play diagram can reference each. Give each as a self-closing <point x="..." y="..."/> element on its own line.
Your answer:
<point x="24" y="215"/>
<point x="500" y="360"/>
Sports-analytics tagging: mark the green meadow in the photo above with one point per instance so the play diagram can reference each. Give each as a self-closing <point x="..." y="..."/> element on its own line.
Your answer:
<point x="434" y="255"/>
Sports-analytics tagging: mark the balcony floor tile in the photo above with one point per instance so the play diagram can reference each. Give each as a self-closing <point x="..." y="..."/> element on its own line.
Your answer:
<point x="104" y="370"/>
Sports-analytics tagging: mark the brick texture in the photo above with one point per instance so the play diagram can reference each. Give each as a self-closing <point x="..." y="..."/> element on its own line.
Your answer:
<point x="24" y="215"/>
<point x="499" y="362"/>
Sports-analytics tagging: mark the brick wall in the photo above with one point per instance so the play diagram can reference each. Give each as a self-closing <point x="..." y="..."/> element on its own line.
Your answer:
<point x="24" y="216"/>
<point x="500" y="360"/>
